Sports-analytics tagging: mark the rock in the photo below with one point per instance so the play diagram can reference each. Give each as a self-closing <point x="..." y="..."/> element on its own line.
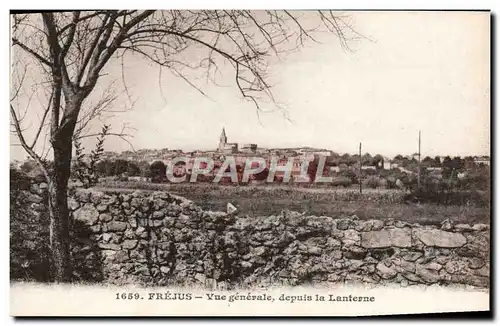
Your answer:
<point x="401" y="224"/>
<point x="438" y="238"/>
<point x="483" y="271"/>
<point x="316" y="251"/>
<point x="411" y="276"/>
<point x="106" y="237"/>
<point x="97" y="196"/>
<point x="32" y="198"/>
<point x="456" y="267"/>
<point x="386" y="272"/>
<point x="404" y="266"/>
<point x="72" y="204"/>
<point x="129" y="244"/>
<point x="354" y="252"/>
<point x="480" y="227"/>
<point x="345" y="223"/>
<point x="121" y="256"/>
<point x="433" y="266"/>
<point x="200" y="278"/>
<point x="231" y="209"/>
<point x="412" y="256"/>
<point x="115" y="226"/>
<point x="109" y="246"/>
<point x="180" y="266"/>
<point x="463" y="227"/>
<point x="477" y="244"/>
<point x="87" y="214"/>
<point x="82" y="196"/>
<point x="351" y="237"/>
<point x="370" y="225"/>
<point x="102" y="207"/>
<point x="95" y="228"/>
<point x="386" y="238"/>
<point x="476" y="263"/>
<point x="428" y="275"/>
<point x="446" y="225"/>
<point x="105" y="217"/>
<point x="158" y="215"/>
<point x="381" y="254"/>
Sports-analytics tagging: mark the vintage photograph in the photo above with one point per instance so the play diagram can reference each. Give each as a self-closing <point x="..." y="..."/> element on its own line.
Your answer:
<point x="249" y="162"/>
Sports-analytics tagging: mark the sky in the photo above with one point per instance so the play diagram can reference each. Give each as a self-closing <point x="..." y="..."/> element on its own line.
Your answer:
<point x="427" y="71"/>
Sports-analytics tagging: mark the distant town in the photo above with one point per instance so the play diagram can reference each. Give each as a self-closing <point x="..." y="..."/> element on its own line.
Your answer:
<point x="308" y="153"/>
<point x="376" y="171"/>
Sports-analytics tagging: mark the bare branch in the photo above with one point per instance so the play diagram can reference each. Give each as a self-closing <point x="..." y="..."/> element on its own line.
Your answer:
<point x="23" y="143"/>
<point x="31" y="51"/>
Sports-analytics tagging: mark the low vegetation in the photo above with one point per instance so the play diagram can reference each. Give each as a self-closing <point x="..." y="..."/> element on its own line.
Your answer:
<point x="371" y="204"/>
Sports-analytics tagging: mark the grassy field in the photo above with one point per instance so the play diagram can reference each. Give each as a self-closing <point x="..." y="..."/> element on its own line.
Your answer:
<point x="272" y="199"/>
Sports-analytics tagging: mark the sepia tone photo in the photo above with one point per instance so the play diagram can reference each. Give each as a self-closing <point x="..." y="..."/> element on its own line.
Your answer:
<point x="249" y="162"/>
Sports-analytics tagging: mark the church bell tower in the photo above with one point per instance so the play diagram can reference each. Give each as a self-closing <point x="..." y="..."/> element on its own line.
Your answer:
<point x="222" y="140"/>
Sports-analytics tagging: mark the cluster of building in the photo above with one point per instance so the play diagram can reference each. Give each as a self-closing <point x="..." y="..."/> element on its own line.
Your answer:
<point x="241" y="152"/>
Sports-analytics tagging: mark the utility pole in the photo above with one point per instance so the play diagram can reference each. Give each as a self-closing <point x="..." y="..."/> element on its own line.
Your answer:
<point x="419" y="168"/>
<point x="359" y="180"/>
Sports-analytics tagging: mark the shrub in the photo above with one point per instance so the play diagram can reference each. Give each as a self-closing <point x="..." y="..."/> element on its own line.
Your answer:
<point x="374" y="182"/>
<point x="341" y="182"/>
<point x="158" y="171"/>
<point x="85" y="169"/>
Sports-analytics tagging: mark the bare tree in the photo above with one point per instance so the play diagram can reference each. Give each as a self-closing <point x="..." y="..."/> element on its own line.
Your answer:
<point x="67" y="54"/>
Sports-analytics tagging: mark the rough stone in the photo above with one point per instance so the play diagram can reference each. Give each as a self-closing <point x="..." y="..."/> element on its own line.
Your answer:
<point x="351" y="237"/>
<point x="457" y="267"/>
<point x="231" y="209"/>
<point x="106" y="237"/>
<point x="463" y="227"/>
<point x="428" y="275"/>
<point x="370" y="225"/>
<point x="115" y="226"/>
<point x="109" y="246"/>
<point x="410" y="276"/>
<point x="87" y="214"/>
<point x="476" y="263"/>
<point x="386" y="272"/>
<point x="102" y="207"/>
<point x="439" y="238"/>
<point x="382" y="253"/>
<point x="95" y="228"/>
<point x="344" y="224"/>
<point x="386" y="238"/>
<point x="447" y="225"/>
<point x="433" y="266"/>
<point x="105" y="217"/>
<point x="72" y="204"/>
<point x="200" y="277"/>
<point x="355" y="252"/>
<point x="481" y="227"/>
<point x="129" y="244"/>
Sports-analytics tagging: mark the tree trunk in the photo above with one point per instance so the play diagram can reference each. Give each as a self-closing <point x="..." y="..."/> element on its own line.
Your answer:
<point x="59" y="215"/>
<point x="58" y="203"/>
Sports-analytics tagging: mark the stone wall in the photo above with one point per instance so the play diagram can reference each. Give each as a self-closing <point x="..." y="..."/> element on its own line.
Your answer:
<point x="157" y="238"/>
